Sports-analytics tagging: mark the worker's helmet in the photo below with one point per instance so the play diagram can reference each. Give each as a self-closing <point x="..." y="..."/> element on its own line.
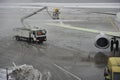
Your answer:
<point x="56" y="10"/>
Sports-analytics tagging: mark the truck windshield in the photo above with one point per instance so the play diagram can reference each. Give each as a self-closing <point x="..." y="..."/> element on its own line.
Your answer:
<point x="116" y="76"/>
<point x="39" y="32"/>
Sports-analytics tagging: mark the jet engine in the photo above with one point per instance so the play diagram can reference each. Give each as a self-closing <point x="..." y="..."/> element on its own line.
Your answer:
<point x="102" y="41"/>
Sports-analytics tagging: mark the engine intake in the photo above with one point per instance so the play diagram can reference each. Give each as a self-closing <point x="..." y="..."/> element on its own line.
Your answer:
<point x="102" y="41"/>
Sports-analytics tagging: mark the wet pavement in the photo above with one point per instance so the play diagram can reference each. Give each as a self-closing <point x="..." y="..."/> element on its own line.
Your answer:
<point x="67" y="54"/>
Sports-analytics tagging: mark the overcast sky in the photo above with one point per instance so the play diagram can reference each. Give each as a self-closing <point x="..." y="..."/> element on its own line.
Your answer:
<point x="61" y="1"/>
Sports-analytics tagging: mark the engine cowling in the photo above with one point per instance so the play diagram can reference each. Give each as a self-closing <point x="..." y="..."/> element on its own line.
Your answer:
<point x="102" y="41"/>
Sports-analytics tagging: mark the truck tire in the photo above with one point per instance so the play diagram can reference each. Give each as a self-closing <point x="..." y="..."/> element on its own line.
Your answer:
<point x="40" y="42"/>
<point x="30" y="40"/>
<point x="17" y="38"/>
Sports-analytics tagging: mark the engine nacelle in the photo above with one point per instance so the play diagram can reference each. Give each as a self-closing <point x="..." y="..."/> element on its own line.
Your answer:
<point x="102" y="41"/>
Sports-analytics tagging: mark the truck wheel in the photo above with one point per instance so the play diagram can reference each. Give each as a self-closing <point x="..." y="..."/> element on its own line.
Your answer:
<point x="17" y="38"/>
<point x="30" y="40"/>
<point x="40" y="42"/>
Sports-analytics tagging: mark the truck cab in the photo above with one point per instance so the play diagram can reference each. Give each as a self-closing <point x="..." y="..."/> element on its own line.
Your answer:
<point x="38" y="35"/>
<point x="112" y="70"/>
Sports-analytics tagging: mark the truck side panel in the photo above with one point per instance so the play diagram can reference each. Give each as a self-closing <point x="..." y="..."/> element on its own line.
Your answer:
<point x="22" y="33"/>
<point x="25" y="33"/>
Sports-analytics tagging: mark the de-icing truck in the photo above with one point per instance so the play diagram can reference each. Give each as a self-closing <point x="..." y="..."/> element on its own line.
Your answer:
<point x="30" y="34"/>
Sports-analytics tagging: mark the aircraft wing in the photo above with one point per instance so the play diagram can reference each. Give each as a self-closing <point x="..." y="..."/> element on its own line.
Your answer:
<point x="117" y="34"/>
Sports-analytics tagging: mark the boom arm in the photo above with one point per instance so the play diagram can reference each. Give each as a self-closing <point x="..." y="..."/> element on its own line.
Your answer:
<point x="25" y="17"/>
